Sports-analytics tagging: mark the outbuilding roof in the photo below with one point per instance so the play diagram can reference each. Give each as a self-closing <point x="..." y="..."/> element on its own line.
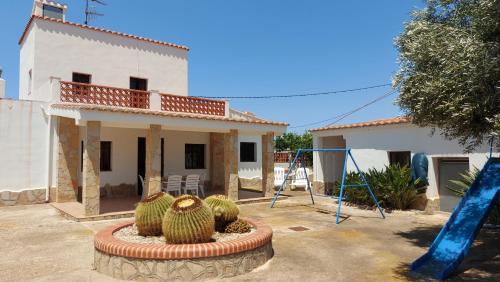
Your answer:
<point x="33" y="18"/>
<point x="378" y="122"/>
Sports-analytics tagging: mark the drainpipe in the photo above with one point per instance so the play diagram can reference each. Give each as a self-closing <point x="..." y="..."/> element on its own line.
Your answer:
<point x="49" y="154"/>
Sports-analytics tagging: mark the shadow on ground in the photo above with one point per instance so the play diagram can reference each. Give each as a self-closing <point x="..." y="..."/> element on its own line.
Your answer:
<point x="482" y="262"/>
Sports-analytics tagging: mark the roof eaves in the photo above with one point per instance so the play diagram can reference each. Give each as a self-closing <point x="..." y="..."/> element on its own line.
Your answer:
<point x="99" y="30"/>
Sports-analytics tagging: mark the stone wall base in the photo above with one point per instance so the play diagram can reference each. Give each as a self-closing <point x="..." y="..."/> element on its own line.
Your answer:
<point x="26" y="197"/>
<point x="182" y="270"/>
<point x="251" y="183"/>
<point x="320" y="187"/>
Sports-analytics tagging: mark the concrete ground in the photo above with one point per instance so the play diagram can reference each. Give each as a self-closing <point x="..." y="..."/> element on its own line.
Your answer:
<point x="37" y="244"/>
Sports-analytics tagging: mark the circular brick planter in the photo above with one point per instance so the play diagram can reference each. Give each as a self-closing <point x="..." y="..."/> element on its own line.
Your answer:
<point x="187" y="262"/>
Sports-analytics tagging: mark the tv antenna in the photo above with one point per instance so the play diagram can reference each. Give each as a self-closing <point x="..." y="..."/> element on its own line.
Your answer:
<point x="90" y="11"/>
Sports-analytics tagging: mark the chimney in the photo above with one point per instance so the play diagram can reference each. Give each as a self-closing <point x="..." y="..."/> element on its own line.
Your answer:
<point x="2" y="86"/>
<point x="50" y="9"/>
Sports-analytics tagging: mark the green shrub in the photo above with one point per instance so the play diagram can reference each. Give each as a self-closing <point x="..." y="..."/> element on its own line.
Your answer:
<point x="393" y="186"/>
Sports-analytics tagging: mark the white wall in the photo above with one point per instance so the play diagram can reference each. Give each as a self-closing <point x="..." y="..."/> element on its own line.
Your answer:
<point x="370" y="147"/>
<point x="2" y="88"/>
<point x="23" y="145"/>
<point x="124" y="153"/>
<point x="250" y="169"/>
<point x="61" y="49"/>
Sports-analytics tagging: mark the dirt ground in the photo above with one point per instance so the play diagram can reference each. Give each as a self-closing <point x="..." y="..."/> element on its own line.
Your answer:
<point x="38" y="244"/>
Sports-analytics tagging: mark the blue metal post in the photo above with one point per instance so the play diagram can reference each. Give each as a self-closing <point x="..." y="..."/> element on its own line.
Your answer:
<point x="307" y="179"/>
<point x="290" y="168"/>
<point x="367" y="185"/>
<point x="342" y="186"/>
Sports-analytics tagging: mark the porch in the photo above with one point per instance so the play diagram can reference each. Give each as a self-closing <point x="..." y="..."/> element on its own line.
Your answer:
<point x="100" y="151"/>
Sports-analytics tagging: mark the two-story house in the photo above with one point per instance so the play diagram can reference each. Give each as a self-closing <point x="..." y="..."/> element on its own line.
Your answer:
<point x="97" y="108"/>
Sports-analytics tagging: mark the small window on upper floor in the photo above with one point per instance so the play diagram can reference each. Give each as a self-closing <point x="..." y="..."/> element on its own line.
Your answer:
<point x="82" y="78"/>
<point x="52" y="12"/>
<point x="248" y="152"/>
<point x="138" y="83"/>
<point x="30" y="81"/>
<point x="402" y="158"/>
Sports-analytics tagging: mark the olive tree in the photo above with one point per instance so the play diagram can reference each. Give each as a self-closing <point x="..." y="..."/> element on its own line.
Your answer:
<point x="449" y="74"/>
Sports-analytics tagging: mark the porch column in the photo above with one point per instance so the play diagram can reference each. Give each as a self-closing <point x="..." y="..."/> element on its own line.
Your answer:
<point x="153" y="160"/>
<point x="91" y="168"/>
<point x="217" y="171"/>
<point x="68" y="160"/>
<point x="268" y="164"/>
<point x="231" y="164"/>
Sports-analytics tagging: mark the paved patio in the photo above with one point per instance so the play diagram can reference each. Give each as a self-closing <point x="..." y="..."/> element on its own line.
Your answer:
<point x="39" y="244"/>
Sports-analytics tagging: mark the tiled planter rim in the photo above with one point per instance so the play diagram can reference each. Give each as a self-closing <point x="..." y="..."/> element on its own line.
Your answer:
<point x="104" y="241"/>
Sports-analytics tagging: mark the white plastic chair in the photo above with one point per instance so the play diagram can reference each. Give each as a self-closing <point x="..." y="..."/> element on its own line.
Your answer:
<point x="174" y="184"/>
<point x="192" y="183"/>
<point x="300" y="178"/>
<point x="143" y="187"/>
<point x="279" y="176"/>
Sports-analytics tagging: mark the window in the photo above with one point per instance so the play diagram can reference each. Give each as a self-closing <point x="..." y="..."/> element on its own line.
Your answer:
<point x="138" y="83"/>
<point x="81" y="156"/>
<point x="402" y="158"/>
<point x="81" y="78"/>
<point x="52" y="12"/>
<point x="195" y="156"/>
<point x="30" y="81"/>
<point x="105" y="155"/>
<point x="248" y="152"/>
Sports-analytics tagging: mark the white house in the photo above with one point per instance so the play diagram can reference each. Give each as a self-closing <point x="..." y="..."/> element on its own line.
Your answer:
<point x="378" y="143"/>
<point x="97" y="108"/>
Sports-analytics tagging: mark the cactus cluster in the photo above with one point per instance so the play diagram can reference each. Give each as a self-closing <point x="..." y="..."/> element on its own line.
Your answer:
<point x="149" y="213"/>
<point x="188" y="221"/>
<point x="225" y="211"/>
<point x="238" y="226"/>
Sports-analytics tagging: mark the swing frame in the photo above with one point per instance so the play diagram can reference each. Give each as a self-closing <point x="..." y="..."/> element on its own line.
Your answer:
<point x="347" y="154"/>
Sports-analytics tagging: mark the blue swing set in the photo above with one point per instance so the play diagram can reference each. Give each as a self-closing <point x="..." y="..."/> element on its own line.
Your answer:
<point x="347" y="154"/>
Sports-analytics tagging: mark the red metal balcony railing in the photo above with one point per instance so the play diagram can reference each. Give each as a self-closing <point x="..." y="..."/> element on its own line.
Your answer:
<point x="193" y="105"/>
<point x="73" y="92"/>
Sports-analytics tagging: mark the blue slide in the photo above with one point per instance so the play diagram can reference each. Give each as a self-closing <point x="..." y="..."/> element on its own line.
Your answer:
<point x="451" y="245"/>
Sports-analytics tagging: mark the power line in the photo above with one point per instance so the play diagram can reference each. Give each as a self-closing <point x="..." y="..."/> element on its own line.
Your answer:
<point x="297" y="95"/>
<point x="346" y="114"/>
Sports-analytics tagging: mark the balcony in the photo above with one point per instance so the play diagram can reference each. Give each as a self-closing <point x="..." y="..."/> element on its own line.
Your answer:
<point x="82" y="93"/>
<point x="72" y="92"/>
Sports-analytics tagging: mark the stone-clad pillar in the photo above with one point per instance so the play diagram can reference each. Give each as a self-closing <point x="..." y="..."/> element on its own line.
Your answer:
<point x="268" y="164"/>
<point x="216" y="159"/>
<point x="91" y="168"/>
<point x="153" y="160"/>
<point x="231" y="164"/>
<point x="68" y="160"/>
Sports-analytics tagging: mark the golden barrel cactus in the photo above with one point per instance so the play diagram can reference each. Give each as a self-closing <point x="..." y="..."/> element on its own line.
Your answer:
<point x="225" y="211"/>
<point x="188" y="221"/>
<point x="149" y="213"/>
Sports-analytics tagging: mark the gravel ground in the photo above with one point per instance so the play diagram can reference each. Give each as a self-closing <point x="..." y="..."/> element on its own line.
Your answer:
<point x="129" y="234"/>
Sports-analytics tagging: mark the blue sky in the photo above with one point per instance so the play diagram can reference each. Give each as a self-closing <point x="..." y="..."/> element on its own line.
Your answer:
<point x="259" y="47"/>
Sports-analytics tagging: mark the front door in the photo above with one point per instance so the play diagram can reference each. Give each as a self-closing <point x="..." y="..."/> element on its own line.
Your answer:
<point x="141" y="163"/>
<point x="450" y="169"/>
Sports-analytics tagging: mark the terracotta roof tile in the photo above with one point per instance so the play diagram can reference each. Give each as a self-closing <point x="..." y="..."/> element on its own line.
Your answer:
<point x="100" y="30"/>
<point x="378" y="122"/>
<point x="101" y="108"/>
